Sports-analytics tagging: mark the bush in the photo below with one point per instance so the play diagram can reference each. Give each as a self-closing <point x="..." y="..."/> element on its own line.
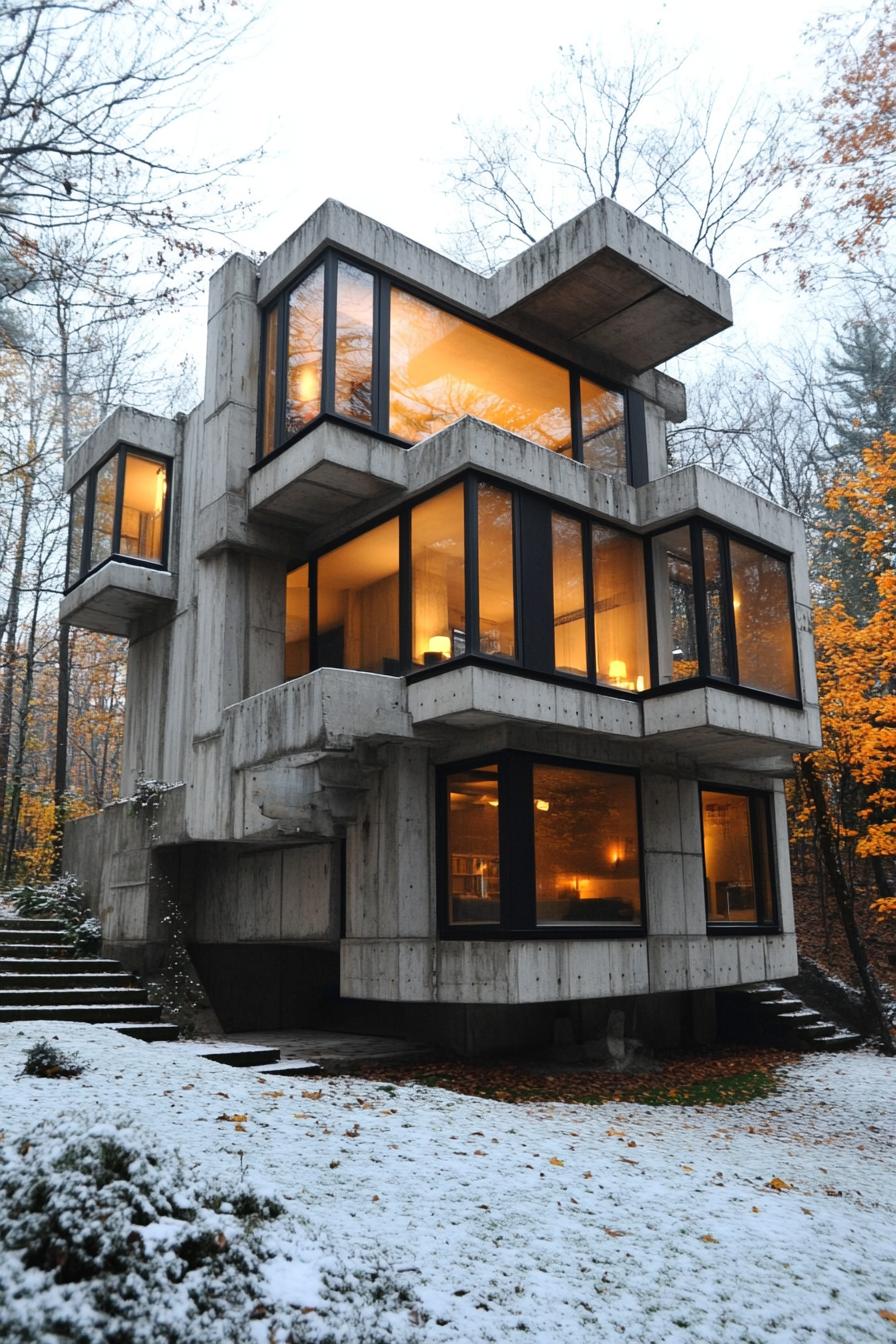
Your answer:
<point x="65" y="899"/>
<point x="44" y="1060"/>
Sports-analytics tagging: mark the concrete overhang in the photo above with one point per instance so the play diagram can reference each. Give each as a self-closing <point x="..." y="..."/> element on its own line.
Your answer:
<point x="720" y="727"/>
<point x="124" y="425"/>
<point x="115" y="595"/>
<point x="604" y="288"/>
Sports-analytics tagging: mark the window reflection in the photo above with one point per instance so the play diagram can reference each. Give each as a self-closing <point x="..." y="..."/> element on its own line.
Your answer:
<point x="735" y="836"/>
<point x="474" y="873"/>
<point x="569" y="595"/>
<point x="497" y="618"/>
<point x="104" y="512"/>
<point x="762" y="620"/>
<point x="353" y="395"/>
<point x="357" y="603"/>
<point x="620" y="609"/>
<point x="676" y="616"/>
<point x="719" y="660"/>
<point x="269" y="385"/>
<point x="437" y="561"/>
<point x="76" y="533"/>
<point x="304" y="360"/>
<point x="143" y="508"/>
<point x="586" y="846"/>
<point x="603" y="429"/>
<point x="442" y="368"/>
<point x="297" y="660"/>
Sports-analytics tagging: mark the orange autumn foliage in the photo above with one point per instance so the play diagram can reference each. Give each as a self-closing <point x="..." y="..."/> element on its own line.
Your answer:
<point x="857" y="664"/>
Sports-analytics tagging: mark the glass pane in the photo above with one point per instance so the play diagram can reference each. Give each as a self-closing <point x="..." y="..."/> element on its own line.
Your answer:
<point x="143" y="508"/>
<point x="304" y="355"/>
<point x="474" y="874"/>
<point x="676" y="616"/>
<point x="728" y="858"/>
<point x="269" y="437"/>
<point x="620" y="609"/>
<point x="437" y="557"/>
<point x="297" y="654"/>
<point x="357" y="603"/>
<point x="719" y="661"/>
<point x="759" y="813"/>
<point x="442" y="368"/>
<point x="354" y="343"/>
<point x="762" y="620"/>
<point x="78" y="507"/>
<point x="104" y="512"/>
<point x="586" y="846"/>
<point x="603" y="429"/>
<point x="497" y="623"/>
<point x="569" y="595"/>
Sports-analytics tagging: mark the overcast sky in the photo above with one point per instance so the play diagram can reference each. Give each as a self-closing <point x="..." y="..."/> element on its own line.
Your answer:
<point x="360" y="101"/>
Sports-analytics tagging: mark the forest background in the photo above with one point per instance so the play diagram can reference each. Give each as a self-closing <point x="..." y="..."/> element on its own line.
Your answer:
<point x="109" y="227"/>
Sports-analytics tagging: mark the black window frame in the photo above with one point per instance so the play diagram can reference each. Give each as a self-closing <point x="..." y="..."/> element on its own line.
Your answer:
<point x="120" y="453"/>
<point x="516" y="844"/>
<point x="697" y="525"/>
<point x="634" y="418"/>
<point x="761" y="814"/>
<point x="533" y="593"/>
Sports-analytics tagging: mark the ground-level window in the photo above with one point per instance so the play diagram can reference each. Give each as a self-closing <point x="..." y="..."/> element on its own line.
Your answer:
<point x="737" y="860"/>
<point x="530" y="843"/>
<point x="119" y="511"/>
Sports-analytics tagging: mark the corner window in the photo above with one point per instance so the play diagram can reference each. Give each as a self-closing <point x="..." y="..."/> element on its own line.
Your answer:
<point x="438" y="573"/>
<point x="345" y="341"/>
<point x="357" y="603"/>
<point x="723" y="611"/>
<point x="532" y="845"/>
<point x="622" y="650"/>
<point x="737" y="857"/>
<point x="119" y="511"/>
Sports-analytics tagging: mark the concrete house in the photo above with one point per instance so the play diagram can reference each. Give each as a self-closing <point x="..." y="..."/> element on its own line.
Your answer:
<point x="477" y="715"/>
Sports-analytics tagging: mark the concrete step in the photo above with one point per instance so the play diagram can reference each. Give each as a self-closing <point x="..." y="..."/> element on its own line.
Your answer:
<point x="814" y="1029"/>
<point x="20" y="922"/>
<point x="61" y="967"/>
<point x="66" y="996"/>
<point x="12" y="936"/>
<point x="290" y="1068"/>
<point x="838" y="1040"/>
<point x="80" y="980"/>
<point x="769" y="992"/>
<point x="800" y="1017"/>
<point x="146" y="1031"/>
<point x="80" y="1012"/>
<point x="31" y="951"/>
<point x="238" y="1056"/>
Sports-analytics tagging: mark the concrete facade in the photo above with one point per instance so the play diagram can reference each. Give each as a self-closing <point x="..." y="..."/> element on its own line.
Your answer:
<point x="300" y="832"/>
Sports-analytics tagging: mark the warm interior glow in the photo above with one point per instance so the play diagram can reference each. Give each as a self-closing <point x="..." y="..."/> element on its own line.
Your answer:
<point x="143" y="508"/>
<point x="104" y="512"/>
<point x="443" y="367"/>
<point x="357" y="602"/>
<point x="617" y="670"/>
<point x="762" y="620"/>
<point x="542" y="805"/>
<point x="676" y="614"/>
<point x="439" y="644"/>
<point x="437" y="581"/>
<point x="474" y="884"/>
<point x="728" y="858"/>
<point x="353" y="393"/>
<point x="620" y="608"/>
<point x="570" y="653"/>
<point x="497" y="621"/>
<point x="298" y="624"/>
<point x="305" y="351"/>
<point x="603" y="429"/>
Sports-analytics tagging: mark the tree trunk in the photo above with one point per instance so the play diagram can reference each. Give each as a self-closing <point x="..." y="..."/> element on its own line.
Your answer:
<point x="10" y="652"/>
<point x="845" y="898"/>
<point x="60" y="775"/>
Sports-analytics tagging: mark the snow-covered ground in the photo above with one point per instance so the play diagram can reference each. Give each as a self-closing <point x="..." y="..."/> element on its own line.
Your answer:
<point x="554" y="1223"/>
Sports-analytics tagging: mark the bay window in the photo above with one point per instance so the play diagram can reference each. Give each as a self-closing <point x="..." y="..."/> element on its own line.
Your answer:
<point x="119" y="511"/>
<point x="737" y="857"/>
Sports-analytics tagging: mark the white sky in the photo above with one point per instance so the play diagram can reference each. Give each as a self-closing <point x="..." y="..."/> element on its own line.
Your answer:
<point x="359" y="100"/>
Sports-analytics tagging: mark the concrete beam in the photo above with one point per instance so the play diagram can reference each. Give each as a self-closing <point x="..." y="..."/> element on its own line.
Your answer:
<point x="138" y="429"/>
<point x="116" y="595"/>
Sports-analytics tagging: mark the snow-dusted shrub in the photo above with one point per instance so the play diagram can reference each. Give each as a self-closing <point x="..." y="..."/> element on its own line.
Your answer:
<point x="44" y="1060"/>
<point x="107" y="1239"/>
<point x="88" y="937"/>
<point x="62" y="898"/>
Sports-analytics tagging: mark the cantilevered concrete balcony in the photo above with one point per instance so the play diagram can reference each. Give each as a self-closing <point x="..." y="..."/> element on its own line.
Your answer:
<point x="117" y="595"/>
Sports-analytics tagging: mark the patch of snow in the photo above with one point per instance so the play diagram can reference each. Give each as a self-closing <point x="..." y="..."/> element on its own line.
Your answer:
<point x="414" y="1215"/>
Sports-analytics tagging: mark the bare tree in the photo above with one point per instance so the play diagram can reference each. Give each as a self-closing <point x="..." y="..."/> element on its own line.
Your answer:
<point x="692" y="163"/>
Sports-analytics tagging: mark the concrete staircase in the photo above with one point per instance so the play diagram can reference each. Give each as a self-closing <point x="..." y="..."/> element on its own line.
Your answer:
<point x="40" y="978"/>
<point x="779" y="1015"/>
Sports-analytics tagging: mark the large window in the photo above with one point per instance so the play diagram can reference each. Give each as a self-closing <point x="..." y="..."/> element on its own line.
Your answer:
<point x="737" y="857"/>
<point x="120" y="511"/>
<point x="723" y="611"/>
<point x="357" y="603"/>
<point x="345" y="341"/>
<point x="532" y="844"/>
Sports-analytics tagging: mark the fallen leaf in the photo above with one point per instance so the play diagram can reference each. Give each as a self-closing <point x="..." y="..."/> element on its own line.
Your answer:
<point x="477" y="1152"/>
<point x="887" y="1315"/>
<point x="755" y="1208"/>
<point x="631" y="1161"/>
<point x="313" y="1096"/>
<point x="709" y="1237"/>
<point x="615" y="1134"/>
<point x="334" y="1163"/>
<point x="557" y="1162"/>
<point x="612" y="1232"/>
<point x="240" y="1129"/>
<point x="375" y="1199"/>
<point x="689" y="1170"/>
<point x="586" y="1175"/>
<point x="631" y="1144"/>
<point x="234" y="1119"/>
<point x="301" y="1115"/>
<point x="777" y="1184"/>
<point x="353" y="1132"/>
<point x="272" y="1095"/>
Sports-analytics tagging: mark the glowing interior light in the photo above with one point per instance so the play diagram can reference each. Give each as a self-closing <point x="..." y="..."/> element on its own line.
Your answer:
<point x="639" y="683"/>
<point x="542" y="805"/>
<point x="618" y="670"/>
<point x="492" y="802"/>
<point x="309" y="384"/>
<point x="440" y="644"/>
